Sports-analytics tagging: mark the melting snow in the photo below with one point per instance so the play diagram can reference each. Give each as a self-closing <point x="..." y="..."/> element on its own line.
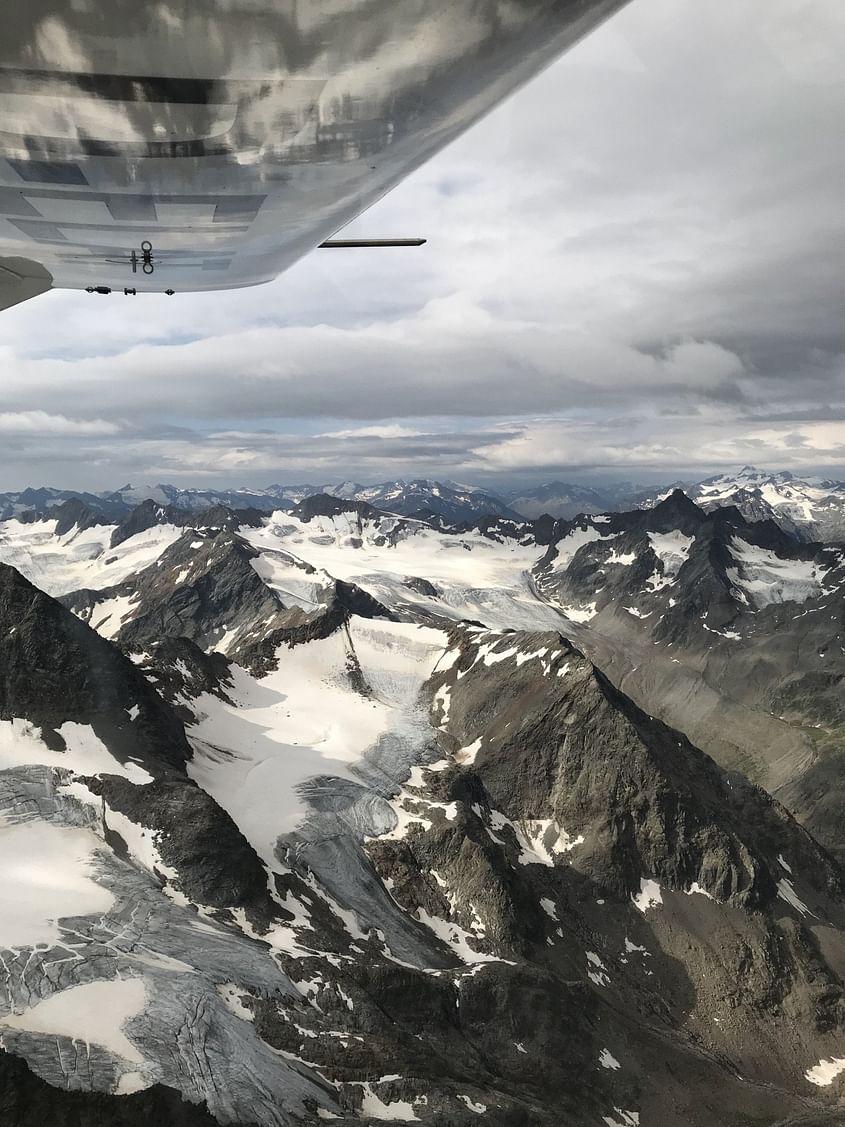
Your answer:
<point x="47" y="874"/>
<point x="766" y="578"/>
<point x="629" y="1118"/>
<point x="672" y="549"/>
<point x="580" y="614"/>
<point x="467" y="754"/>
<point x="533" y="838"/>
<point x="607" y="1060"/>
<point x="732" y="634"/>
<point x="141" y="841"/>
<point x="632" y="947"/>
<point x="637" y="613"/>
<point x="695" y="889"/>
<point x="826" y="1071"/>
<point x="109" y="615"/>
<point x="94" y="1013"/>
<point x="397" y="1110"/>
<point x="787" y="892"/>
<point x="457" y="937"/>
<point x="649" y="895"/>
<point x="624" y="559"/>
<point x="85" y="753"/>
<point x="576" y="539"/>
<point x="479" y="1108"/>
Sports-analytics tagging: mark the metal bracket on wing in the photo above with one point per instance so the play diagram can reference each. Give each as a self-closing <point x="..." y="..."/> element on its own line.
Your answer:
<point x="356" y="244"/>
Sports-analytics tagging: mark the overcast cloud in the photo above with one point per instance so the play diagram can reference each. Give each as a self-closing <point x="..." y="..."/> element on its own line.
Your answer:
<point x="635" y="268"/>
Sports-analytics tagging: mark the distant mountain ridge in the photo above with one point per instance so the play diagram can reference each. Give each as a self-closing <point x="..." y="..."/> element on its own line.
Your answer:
<point x="807" y="508"/>
<point x="448" y="500"/>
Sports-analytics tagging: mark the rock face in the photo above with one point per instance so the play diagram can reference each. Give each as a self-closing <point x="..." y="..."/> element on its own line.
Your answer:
<point x="563" y="820"/>
<point x="73" y="513"/>
<point x="731" y="630"/>
<point x="148" y="514"/>
<point x="28" y="1101"/>
<point x="202" y="587"/>
<point x="56" y="670"/>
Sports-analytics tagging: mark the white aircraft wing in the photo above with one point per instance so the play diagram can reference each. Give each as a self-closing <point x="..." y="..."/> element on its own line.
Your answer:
<point x="208" y="144"/>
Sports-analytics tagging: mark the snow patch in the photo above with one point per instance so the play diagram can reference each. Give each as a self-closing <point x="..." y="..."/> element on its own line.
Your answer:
<point x="575" y="540"/>
<point x="94" y="1013"/>
<point x="580" y="614"/>
<point x="629" y="1118"/>
<point x="85" y="753"/>
<point x="787" y="892"/>
<point x="607" y="1060"/>
<point x="539" y="839"/>
<point x="649" y="895"/>
<point x="766" y="578"/>
<point x="233" y="996"/>
<point x="397" y="1110"/>
<point x="826" y="1071"/>
<point x="48" y="874"/>
<point x="478" y="1108"/>
<point x="695" y="889"/>
<point x="596" y="970"/>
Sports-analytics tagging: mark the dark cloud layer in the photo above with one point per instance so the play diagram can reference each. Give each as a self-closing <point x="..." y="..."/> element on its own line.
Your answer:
<point x="636" y="265"/>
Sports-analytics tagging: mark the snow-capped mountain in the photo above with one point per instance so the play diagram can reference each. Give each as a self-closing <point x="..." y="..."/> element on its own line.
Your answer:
<point x="454" y="503"/>
<point x="320" y="815"/>
<point x="809" y="508"/>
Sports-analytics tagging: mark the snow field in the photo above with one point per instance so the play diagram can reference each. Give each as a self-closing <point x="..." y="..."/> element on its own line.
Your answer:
<point x="305" y="719"/>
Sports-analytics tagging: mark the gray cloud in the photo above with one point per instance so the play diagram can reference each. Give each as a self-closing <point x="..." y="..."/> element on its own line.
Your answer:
<point x="635" y="264"/>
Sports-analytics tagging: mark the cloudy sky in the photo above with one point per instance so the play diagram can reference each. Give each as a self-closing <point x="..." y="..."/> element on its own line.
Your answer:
<point x="635" y="270"/>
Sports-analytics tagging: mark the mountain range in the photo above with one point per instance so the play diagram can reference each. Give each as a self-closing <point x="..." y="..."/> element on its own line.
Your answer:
<point x="331" y="812"/>
<point x="806" y="508"/>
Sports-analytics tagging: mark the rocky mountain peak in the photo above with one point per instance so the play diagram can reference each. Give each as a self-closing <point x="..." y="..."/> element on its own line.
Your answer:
<point x="677" y="511"/>
<point x="326" y="505"/>
<point x="625" y="797"/>
<point x="56" y="670"/>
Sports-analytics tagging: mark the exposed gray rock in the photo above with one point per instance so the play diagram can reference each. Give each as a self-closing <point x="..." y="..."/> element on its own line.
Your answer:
<point x="751" y="672"/>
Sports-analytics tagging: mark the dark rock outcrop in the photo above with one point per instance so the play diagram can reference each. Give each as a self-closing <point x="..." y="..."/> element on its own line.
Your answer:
<point x="54" y="669"/>
<point x="28" y="1101"/>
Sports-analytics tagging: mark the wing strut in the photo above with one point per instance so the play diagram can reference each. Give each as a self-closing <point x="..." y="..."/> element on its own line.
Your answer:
<point x="360" y="243"/>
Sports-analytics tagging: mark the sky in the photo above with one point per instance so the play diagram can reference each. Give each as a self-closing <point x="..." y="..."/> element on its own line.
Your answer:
<point x="635" y="270"/>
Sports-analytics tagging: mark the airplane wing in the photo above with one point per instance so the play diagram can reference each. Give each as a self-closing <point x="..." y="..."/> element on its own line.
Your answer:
<point x="208" y="144"/>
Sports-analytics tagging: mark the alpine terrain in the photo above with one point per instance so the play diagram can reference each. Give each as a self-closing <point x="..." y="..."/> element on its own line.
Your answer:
<point x="398" y="806"/>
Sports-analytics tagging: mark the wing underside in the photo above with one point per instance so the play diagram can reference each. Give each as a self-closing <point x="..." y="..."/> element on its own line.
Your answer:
<point x="155" y="147"/>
